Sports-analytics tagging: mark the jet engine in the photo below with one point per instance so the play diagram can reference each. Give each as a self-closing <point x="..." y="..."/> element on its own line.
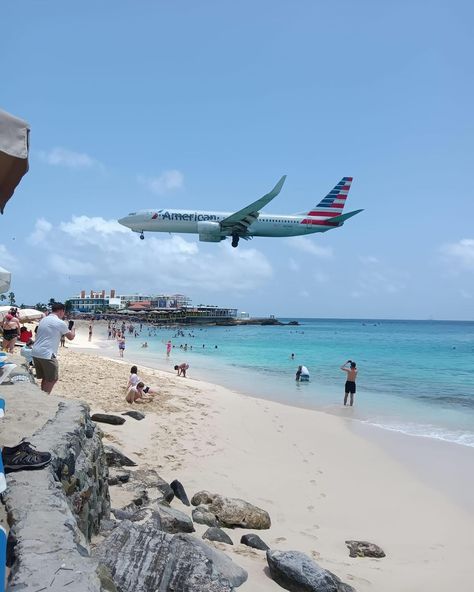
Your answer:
<point x="209" y="232"/>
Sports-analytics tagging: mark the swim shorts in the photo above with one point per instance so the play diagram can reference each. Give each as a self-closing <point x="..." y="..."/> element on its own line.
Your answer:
<point x="350" y="387"/>
<point x="47" y="369"/>
<point x="146" y="389"/>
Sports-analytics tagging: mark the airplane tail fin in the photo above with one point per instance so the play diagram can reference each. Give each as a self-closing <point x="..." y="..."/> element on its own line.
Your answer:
<point x="334" y="202"/>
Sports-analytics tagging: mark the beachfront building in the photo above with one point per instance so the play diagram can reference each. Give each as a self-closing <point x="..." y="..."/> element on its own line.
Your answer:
<point x="93" y="301"/>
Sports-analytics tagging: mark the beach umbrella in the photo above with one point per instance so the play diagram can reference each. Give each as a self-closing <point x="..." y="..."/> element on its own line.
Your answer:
<point x="5" y="279"/>
<point x="13" y="154"/>
<point x="24" y="314"/>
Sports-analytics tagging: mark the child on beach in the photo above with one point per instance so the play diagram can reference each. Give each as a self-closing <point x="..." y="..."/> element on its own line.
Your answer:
<point x="181" y="369"/>
<point x="133" y="380"/>
<point x="350" y="386"/>
<point x="136" y="394"/>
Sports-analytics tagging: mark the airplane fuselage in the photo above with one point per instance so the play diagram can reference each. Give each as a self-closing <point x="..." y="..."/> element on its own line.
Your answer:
<point x="194" y="222"/>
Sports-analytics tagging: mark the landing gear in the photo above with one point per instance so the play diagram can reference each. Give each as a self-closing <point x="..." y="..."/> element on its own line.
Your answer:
<point x="142" y="236"/>
<point x="235" y="240"/>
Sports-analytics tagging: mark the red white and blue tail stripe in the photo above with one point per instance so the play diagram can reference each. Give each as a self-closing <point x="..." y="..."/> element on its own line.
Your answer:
<point x="330" y="206"/>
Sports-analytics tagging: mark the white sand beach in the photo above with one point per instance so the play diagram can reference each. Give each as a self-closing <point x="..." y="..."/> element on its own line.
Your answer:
<point x="321" y="482"/>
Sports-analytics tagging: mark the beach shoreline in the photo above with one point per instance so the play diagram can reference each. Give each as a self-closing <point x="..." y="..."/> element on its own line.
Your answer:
<point x="323" y="478"/>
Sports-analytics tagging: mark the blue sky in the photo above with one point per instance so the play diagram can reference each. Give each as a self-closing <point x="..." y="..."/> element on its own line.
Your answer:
<point x="205" y="105"/>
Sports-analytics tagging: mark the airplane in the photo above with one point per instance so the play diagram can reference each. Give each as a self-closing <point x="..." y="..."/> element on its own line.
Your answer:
<point x="248" y="222"/>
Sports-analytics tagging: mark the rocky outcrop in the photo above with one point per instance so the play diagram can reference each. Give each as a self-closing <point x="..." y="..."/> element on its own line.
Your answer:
<point x="53" y="512"/>
<point x="202" y="497"/>
<point x="144" y="559"/>
<point x="254" y="541"/>
<point x="364" y="549"/>
<point x="297" y="572"/>
<point x="214" y="533"/>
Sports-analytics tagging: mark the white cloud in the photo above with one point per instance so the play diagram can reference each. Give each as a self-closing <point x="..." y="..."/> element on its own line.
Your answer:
<point x="167" y="181"/>
<point x="465" y="294"/>
<point x="321" y="277"/>
<point x="460" y="253"/>
<point x="68" y="158"/>
<point x="102" y="250"/>
<point x="41" y="231"/>
<point x="308" y="245"/>
<point x="7" y="259"/>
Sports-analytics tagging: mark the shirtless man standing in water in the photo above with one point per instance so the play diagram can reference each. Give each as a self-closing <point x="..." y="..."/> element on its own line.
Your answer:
<point x="350" y="386"/>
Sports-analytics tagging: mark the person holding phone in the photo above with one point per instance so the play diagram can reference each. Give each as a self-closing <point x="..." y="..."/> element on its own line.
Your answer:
<point x="45" y="348"/>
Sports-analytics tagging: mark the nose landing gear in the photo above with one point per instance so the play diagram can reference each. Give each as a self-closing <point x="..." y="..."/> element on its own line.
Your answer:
<point x="235" y="240"/>
<point x="142" y="236"/>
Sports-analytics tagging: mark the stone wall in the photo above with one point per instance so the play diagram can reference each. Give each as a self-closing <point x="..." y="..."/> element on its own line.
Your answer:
<point x="53" y="512"/>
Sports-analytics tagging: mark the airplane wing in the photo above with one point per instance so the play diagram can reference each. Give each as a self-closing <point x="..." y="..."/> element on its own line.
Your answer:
<point x="241" y="220"/>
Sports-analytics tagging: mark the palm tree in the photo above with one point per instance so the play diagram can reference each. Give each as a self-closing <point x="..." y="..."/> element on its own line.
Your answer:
<point x="2" y="297"/>
<point x="51" y="301"/>
<point x="11" y="296"/>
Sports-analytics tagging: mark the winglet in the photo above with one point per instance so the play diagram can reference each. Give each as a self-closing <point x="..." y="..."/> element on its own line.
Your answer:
<point x="276" y="190"/>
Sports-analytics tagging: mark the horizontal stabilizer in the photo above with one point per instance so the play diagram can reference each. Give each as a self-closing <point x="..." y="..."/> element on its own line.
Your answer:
<point x="341" y="219"/>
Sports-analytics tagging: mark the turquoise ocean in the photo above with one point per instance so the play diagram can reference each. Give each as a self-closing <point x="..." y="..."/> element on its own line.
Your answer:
<point x="415" y="377"/>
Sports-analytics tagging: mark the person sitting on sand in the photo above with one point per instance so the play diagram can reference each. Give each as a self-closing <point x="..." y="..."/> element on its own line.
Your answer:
<point x="350" y="386"/>
<point x="27" y="352"/>
<point x="135" y="394"/>
<point x="181" y="369"/>
<point x="25" y="335"/>
<point x="133" y="380"/>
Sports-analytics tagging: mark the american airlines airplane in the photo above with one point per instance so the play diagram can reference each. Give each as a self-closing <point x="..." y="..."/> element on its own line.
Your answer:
<point x="213" y="227"/>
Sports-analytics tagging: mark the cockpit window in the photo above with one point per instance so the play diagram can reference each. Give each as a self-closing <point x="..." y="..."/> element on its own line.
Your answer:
<point x="132" y="214"/>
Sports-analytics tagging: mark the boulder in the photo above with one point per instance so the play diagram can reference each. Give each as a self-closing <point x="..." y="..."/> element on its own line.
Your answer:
<point x="135" y="414"/>
<point x="144" y="559"/>
<point x="179" y="492"/>
<point x="107" y="418"/>
<point x="131" y="512"/>
<point x="118" y="477"/>
<point x="217" y="534"/>
<point x="201" y="515"/>
<point x="254" y="541"/>
<point x="148" y="480"/>
<point x="232" y="512"/>
<point x="115" y="458"/>
<point x="202" y="497"/>
<point x="171" y="520"/>
<point x="364" y="549"/>
<point x="297" y="572"/>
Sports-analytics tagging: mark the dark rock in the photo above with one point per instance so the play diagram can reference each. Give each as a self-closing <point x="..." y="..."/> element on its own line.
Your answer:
<point x="171" y="520"/>
<point x="135" y="414"/>
<point x="201" y="515"/>
<point x="107" y="525"/>
<point x="232" y="512"/>
<point x="297" y="572"/>
<point x="364" y="549"/>
<point x="118" y="477"/>
<point x="254" y="541"/>
<point x="148" y="480"/>
<point x="115" y="458"/>
<point x="143" y="559"/>
<point x="107" y="418"/>
<point x="179" y="492"/>
<point x="131" y="512"/>
<point x="217" y="534"/>
<point x="202" y="497"/>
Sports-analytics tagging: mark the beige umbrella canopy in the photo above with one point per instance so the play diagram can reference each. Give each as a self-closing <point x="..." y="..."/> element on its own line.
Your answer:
<point x="24" y="314"/>
<point x="5" y="279"/>
<point x="13" y="154"/>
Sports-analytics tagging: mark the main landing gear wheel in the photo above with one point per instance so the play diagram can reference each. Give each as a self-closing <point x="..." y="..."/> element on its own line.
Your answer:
<point x="142" y="236"/>
<point x="235" y="240"/>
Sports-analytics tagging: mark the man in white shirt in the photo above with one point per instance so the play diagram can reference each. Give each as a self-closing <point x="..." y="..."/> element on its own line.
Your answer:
<point x="45" y="349"/>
